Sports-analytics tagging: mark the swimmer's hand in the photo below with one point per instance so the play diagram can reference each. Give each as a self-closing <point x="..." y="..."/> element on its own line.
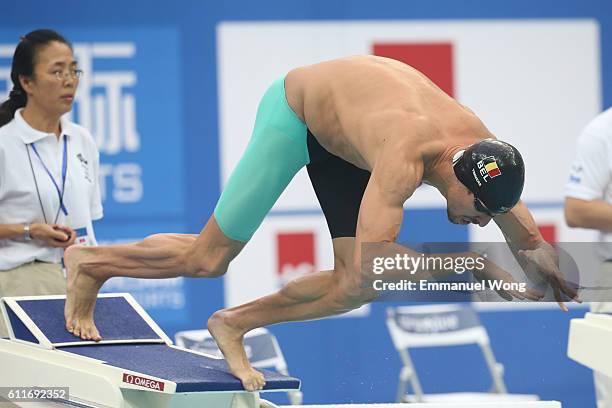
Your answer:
<point x="545" y="261"/>
<point x="492" y="272"/>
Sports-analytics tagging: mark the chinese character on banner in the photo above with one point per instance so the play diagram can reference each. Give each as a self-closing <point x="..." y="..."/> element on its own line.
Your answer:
<point x="111" y="114"/>
<point x="106" y="105"/>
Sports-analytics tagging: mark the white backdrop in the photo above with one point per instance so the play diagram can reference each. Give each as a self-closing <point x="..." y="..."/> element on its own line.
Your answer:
<point x="534" y="83"/>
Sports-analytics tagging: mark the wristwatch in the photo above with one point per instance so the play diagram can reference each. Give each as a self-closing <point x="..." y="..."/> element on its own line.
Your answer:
<point x="26" y="232"/>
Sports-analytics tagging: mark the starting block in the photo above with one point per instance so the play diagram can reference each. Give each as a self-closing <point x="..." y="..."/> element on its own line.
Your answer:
<point x="589" y="342"/>
<point x="134" y="365"/>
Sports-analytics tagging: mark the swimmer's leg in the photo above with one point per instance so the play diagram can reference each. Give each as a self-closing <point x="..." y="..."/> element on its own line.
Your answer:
<point x="339" y="187"/>
<point x="275" y="153"/>
<point x="311" y="296"/>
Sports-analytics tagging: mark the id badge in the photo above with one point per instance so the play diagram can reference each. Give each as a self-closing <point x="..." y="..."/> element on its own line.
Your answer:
<point x="82" y="237"/>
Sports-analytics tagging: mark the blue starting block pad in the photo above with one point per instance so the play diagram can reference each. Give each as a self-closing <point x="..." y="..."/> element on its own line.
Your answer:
<point x="118" y="318"/>
<point x="134" y="365"/>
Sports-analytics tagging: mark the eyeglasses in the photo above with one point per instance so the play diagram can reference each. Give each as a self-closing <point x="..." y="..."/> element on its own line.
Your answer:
<point x="70" y="74"/>
<point x="480" y="207"/>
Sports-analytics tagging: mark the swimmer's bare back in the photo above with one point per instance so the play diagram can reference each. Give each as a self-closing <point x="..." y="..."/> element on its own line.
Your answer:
<point x="356" y="104"/>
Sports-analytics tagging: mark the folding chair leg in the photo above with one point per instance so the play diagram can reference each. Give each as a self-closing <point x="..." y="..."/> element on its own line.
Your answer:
<point x="496" y="370"/>
<point x="295" y="397"/>
<point x="409" y="375"/>
<point x="401" y="390"/>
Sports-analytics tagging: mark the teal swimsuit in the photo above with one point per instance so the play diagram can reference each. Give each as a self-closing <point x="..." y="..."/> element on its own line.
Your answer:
<point x="280" y="146"/>
<point x="276" y="152"/>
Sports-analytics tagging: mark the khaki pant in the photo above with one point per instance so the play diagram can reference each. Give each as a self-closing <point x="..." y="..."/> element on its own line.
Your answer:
<point x="6" y="404"/>
<point x="31" y="279"/>
<point x="603" y="384"/>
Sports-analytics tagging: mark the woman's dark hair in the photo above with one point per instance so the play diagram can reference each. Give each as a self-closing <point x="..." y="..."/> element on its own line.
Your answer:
<point x="24" y="60"/>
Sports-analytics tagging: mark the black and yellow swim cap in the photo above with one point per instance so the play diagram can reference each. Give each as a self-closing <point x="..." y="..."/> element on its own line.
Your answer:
<point x="494" y="172"/>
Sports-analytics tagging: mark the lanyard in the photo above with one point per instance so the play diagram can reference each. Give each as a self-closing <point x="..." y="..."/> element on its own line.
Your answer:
<point x="60" y="193"/>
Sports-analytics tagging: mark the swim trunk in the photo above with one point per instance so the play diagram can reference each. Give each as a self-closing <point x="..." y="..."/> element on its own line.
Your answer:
<point x="281" y="144"/>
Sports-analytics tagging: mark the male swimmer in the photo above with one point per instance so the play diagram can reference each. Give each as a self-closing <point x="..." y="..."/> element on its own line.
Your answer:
<point x="369" y="130"/>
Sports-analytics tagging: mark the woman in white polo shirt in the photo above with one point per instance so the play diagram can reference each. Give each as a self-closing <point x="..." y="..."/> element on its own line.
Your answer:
<point x="49" y="191"/>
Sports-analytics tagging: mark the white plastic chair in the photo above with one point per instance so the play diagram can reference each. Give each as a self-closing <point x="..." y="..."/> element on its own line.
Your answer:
<point x="261" y="346"/>
<point x="439" y="326"/>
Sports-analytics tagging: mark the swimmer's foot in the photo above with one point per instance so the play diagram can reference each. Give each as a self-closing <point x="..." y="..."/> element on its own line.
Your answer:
<point x="81" y="295"/>
<point x="229" y="340"/>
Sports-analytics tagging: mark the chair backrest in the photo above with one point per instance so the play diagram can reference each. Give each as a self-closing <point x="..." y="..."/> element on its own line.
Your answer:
<point x="435" y="325"/>
<point x="261" y="347"/>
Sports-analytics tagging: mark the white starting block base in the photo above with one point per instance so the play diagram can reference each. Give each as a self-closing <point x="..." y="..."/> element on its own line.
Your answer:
<point x="91" y="383"/>
<point x="478" y="397"/>
<point x="137" y="401"/>
<point x="538" y="404"/>
<point x="589" y="342"/>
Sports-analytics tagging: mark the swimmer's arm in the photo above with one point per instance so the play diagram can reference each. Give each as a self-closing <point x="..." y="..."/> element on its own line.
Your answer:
<point x="519" y="228"/>
<point x="381" y="210"/>
<point x="393" y="180"/>
<point x="380" y="219"/>
<point x="529" y="248"/>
